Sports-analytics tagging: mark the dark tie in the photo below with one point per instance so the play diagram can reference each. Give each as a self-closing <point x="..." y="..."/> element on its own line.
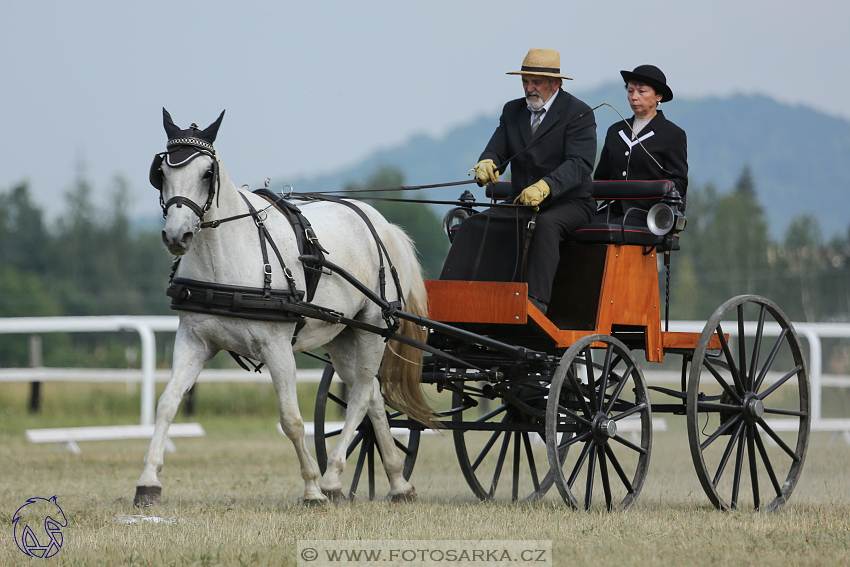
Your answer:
<point x="538" y="116"/>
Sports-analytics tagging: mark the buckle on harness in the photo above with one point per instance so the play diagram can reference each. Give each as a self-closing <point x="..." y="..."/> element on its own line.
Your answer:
<point x="267" y="269"/>
<point x="288" y="274"/>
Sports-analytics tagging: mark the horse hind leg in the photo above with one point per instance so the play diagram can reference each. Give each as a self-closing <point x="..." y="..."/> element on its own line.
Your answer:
<point x="400" y="489"/>
<point x="189" y="358"/>
<point x="357" y="358"/>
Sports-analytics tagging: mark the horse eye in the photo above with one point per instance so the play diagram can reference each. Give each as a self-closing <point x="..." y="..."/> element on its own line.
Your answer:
<point x="208" y="174"/>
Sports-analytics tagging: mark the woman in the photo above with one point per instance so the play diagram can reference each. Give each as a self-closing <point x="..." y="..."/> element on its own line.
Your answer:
<point x="647" y="146"/>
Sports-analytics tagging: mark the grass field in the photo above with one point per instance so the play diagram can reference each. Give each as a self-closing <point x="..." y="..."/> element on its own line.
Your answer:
<point x="232" y="498"/>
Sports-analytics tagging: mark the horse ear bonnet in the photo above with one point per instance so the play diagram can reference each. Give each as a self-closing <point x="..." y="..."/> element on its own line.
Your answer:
<point x="180" y="154"/>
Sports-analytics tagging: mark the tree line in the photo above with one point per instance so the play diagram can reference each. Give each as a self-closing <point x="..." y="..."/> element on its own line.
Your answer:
<point x="90" y="261"/>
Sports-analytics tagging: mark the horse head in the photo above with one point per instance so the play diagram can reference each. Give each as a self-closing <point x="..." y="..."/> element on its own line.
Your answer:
<point x="187" y="173"/>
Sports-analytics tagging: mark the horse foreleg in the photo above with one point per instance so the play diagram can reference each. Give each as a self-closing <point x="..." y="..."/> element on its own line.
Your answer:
<point x="189" y="359"/>
<point x="400" y="489"/>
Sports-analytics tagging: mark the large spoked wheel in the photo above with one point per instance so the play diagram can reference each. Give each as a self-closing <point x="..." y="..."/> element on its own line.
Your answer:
<point x="500" y="449"/>
<point x="327" y="420"/>
<point x="748" y="406"/>
<point x="598" y="396"/>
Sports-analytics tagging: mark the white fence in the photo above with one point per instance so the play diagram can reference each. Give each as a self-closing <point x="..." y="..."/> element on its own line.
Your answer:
<point x="148" y="375"/>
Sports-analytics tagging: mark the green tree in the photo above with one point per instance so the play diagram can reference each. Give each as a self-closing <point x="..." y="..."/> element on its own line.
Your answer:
<point x="418" y="220"/>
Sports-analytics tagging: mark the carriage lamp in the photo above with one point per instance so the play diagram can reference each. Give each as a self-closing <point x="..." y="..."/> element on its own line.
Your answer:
<point x="666" y="217"/>
<point x="453" y="218"/>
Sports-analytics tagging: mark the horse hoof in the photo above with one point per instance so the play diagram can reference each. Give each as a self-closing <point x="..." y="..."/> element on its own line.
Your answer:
<point x="313" y="502"/>
<point x="147" y="495"/>
<point x="336" y="496"/>
<point x="402" y="497"/>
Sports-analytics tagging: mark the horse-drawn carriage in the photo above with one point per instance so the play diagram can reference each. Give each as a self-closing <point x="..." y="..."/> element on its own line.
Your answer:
<point x="541" y="400"/>
<point x="569" y="379"/>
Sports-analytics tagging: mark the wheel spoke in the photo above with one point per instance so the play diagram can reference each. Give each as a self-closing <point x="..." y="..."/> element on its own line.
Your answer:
<point x="617" y="467"/>
<point x="370" y="469"/>
<point x="486" y="449"/>
<point x="606" y="484"/>
<point x="739" y="463"/>
<point x="572" y="415"/>
<point x="357" y="439"/>
<point x="503" y="453"/>
<point x="730" y="359"/>
<point x="779" y="382"/>
<point x="766" y="460"/>
<point x="591" y="380"/>
<point x="754" y="477"/>
<point x="796" y="413"/>
<point x="770" y="358"/>
<point x="576" y="439"/>
<point x="756" y="347"/>
<point x="579" y="463"/>
<point x="577" y="387"/>
<point x="515" y="483"/>
<point x="720" y="430"/>
<point x="725" y="385"/>
<point x="401" y="446"/>
<point x="779" y="441"/>
<point x="726" y="454"/>
<point x="630" y="445"/>
<point x="742" y="348"/>
<point x="532" y="467"/>
<point x="358" y="469"/>
<point x="616" y="394"/>
<point x="492" y="414"/>
<point x="338" y="400"/>
<point x="606" y="369"/>
<point x="591" y="469"/>
<point x="630" y="411"/>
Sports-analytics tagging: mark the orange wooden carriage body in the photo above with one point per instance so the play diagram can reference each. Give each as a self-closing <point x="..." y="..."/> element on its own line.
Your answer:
<point x="598" y="289"/>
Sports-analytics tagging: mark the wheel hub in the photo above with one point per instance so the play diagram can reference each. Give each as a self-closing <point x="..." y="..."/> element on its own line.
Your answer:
<point x="603" y="428"/>
<point x="753" y="408"/>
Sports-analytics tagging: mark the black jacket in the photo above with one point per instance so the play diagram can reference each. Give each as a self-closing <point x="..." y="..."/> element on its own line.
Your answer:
<point x="624" y="159"/>
<point x="564" y="159"/>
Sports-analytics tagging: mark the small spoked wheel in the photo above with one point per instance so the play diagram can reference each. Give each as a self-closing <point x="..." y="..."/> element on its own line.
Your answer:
<point x="600" y="401"/>
<point x="328" y="418"/>
<point x="748" y="406"/>
<point x="499" y="447"/>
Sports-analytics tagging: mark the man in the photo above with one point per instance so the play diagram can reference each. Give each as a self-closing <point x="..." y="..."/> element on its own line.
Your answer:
<point x="554" y="174"/>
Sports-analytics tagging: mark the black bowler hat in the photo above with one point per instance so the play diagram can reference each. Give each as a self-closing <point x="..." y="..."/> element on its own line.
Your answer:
<point x="652" y="76"/>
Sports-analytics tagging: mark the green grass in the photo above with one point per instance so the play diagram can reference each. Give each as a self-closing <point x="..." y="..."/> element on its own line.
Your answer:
<point x="234" y="499"/>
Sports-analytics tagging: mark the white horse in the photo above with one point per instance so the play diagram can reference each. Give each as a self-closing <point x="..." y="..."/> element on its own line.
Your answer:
<point x="192" y="174"/>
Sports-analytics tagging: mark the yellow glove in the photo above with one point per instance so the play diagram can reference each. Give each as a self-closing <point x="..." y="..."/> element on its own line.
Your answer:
<point x="485" y="172"/>
<point x="534" y="194"/>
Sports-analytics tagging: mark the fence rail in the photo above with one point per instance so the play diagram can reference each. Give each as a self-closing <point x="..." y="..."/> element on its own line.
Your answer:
<point x="148" y="375"/>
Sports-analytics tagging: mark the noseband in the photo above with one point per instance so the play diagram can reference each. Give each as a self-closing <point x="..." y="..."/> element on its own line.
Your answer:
<point x="156" y="176"/>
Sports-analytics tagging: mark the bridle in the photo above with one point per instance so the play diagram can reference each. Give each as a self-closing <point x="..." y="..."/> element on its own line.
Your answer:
<point x="156" y="176"/>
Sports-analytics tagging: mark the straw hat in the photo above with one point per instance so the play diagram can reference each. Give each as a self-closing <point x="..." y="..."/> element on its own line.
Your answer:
<point x="546" y="62"/>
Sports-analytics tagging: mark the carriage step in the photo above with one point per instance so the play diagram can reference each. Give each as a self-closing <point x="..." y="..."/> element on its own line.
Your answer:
<point x="67" y="437"/>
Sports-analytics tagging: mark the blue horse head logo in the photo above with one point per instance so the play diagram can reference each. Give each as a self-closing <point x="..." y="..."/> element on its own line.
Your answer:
<point x="38" y="527"/>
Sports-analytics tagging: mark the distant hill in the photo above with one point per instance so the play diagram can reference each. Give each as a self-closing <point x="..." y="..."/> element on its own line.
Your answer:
<point x="800" y="158"/>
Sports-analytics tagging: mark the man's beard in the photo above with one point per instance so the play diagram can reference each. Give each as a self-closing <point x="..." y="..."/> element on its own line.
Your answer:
<point x="536" y="103"/>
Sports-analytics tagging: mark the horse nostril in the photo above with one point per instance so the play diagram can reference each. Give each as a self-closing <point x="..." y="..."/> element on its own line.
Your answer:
<point x="187" y="238"/>
<point x="164" y="238"/>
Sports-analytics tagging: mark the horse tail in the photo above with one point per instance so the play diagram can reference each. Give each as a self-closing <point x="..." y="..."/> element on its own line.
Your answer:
<point x="401" y="371"/>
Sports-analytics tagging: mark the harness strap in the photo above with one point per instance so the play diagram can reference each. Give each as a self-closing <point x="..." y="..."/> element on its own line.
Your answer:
<point x="382" y="250"/>
<point x="267" y="268"/>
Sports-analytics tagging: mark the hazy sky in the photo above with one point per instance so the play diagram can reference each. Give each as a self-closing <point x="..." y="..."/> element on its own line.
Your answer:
<point x="312" y="87"/>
